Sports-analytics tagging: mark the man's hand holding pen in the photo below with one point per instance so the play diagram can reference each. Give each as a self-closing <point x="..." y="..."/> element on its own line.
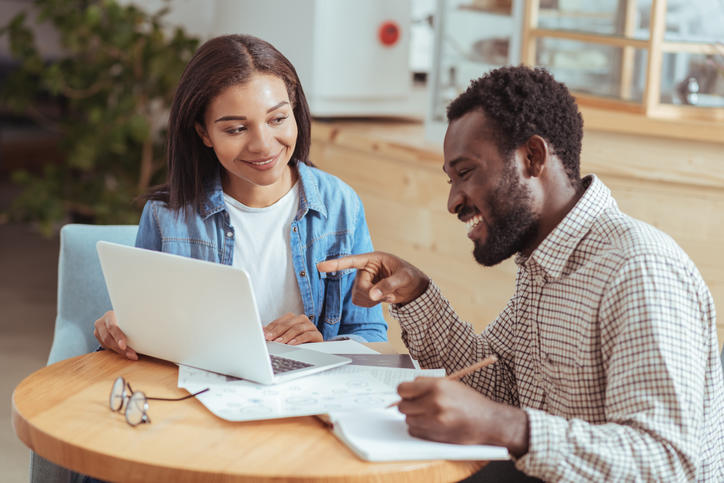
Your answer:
<point x="439" y="409"/>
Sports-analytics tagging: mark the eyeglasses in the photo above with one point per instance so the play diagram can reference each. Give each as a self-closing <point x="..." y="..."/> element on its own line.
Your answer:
<point x="137" y="405"/>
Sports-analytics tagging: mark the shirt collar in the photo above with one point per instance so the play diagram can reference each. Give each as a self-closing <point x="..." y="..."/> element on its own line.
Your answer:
<point x="214" y="200"/>
<point x="551" y="256"/>
<point x="309" y="196"/>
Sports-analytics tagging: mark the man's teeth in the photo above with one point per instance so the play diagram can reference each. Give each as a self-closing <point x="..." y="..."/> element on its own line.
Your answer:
<point x="473" y="222"/>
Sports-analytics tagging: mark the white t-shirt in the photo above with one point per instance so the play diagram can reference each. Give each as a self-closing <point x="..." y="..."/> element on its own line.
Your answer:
<point x="262" y="247"/>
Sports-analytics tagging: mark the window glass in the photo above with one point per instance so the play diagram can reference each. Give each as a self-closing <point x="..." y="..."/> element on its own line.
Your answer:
<point x="604" y="17"/>
<point x="601" y="70"/>
<point x="692" y="79"/>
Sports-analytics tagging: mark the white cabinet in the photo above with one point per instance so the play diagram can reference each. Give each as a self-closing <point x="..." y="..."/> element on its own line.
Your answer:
<point x="351" y="56"/>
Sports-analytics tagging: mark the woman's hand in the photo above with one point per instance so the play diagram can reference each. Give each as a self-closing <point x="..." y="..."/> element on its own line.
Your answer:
<point x="112" y="337"/>
<point x="292" y="329"/>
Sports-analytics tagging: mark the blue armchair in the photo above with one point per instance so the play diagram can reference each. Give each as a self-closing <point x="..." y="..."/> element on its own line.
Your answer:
<point x="82" y="298"/>
<point x="82" y="295"/>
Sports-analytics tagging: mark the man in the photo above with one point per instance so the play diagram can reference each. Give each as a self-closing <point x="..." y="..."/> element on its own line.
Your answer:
<point x="608" y="358"/>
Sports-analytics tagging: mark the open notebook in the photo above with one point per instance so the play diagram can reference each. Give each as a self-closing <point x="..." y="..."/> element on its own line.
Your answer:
<point x="381" y="435"/>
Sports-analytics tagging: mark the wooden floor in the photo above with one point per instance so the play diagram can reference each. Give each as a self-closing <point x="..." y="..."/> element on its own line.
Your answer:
<point x="28" y="285"/>
<point x="28" y="264"/>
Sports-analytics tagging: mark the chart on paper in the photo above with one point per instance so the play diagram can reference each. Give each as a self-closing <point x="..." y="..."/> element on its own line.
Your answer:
<point x="341" y="389"/>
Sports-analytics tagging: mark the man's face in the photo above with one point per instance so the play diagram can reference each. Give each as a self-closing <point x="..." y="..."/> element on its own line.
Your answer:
<point x="486" y="191"/>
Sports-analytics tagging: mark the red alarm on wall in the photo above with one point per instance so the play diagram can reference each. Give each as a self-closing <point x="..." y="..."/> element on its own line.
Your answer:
<point x="388" y="33"/>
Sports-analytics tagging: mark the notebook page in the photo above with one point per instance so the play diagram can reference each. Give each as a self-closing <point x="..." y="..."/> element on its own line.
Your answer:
<point x="381" y="435"/>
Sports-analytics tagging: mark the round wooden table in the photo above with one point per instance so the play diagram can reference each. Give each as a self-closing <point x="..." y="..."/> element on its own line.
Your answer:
<point x="61" y="412"/>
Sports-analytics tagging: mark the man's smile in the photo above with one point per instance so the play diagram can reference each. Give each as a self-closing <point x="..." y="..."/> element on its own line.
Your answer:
<point x="473" y="222"/>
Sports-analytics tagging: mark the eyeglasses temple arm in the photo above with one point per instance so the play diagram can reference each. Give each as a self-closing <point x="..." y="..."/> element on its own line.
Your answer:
<point x="177" y="398"/>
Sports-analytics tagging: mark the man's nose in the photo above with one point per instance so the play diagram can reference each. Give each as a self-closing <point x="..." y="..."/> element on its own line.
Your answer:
<point x="454" y="200"/>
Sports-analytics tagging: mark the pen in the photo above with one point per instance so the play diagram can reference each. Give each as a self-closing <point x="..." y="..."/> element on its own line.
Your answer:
<point x="463" y="372"/>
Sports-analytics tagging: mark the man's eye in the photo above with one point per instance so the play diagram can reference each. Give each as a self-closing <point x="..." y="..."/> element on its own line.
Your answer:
<point x="465" y="173"/>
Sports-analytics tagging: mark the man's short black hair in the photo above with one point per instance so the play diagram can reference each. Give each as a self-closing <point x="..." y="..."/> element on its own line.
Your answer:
<point x="521" y="102"/>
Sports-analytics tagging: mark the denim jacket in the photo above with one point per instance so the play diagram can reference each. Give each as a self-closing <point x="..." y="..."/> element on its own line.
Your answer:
<point x="329" y="223"/>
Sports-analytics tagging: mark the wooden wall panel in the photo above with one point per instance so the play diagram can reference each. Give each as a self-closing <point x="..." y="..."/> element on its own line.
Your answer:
<point x="677" y="186"/>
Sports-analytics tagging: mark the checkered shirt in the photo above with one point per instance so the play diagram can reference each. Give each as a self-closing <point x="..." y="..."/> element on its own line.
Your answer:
<point x="609" y="344"/>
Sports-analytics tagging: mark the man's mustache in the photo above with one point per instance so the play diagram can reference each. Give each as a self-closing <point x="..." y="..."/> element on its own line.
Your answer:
<point x="466" y="211"/>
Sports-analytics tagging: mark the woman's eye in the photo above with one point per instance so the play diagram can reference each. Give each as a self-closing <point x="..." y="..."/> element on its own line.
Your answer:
<point x="278" y="120"/>
<point x="235" y="130"/>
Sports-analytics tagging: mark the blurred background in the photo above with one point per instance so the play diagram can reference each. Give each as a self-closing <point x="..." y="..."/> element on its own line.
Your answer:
<point x="85" y="87"/>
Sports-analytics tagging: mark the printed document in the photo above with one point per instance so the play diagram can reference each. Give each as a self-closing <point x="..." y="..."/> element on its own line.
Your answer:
<point x="346" y="388"/>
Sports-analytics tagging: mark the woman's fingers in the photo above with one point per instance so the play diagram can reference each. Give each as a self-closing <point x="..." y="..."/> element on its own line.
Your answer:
<point x="111" y="337"/>
<point x="312" y="335"/>
<point x="292" y="329"/>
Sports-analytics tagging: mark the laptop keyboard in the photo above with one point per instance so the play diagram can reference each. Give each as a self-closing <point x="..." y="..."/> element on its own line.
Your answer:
<point x="282" y="364"/>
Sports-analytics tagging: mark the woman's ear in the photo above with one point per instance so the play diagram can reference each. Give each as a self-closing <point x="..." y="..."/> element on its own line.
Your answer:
<point x="536" y="152"/>
<point x="203" y="135"/>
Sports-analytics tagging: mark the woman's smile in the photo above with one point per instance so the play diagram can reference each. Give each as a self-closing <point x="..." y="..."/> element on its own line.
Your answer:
<point x="263" y="163"/>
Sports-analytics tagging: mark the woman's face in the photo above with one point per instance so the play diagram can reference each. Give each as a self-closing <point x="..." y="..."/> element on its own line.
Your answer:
<point x="252" y="129"/>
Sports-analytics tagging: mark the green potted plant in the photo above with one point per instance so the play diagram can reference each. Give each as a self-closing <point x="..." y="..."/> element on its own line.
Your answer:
<point x="110" y="92"/>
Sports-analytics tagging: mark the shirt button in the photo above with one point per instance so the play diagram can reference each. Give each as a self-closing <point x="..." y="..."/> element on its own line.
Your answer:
<point x="310" y="317"/>
<point x="294" y="229"/>
<point x="302" y="273"/>
<point x="229" y="234"/>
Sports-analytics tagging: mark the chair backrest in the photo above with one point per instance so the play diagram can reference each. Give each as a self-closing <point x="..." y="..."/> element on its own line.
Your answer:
<point x="82" y="294"/>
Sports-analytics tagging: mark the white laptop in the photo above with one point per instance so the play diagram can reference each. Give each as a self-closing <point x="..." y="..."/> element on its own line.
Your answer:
<point x="198" y="313"/>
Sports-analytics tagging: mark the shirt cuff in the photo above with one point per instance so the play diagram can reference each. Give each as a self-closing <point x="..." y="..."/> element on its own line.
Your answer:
<point x="412" y="311"/>
<point x="547" y="445"/>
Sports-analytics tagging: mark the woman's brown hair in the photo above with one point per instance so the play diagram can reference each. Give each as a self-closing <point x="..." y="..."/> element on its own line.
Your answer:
<point x="220" y="63"/>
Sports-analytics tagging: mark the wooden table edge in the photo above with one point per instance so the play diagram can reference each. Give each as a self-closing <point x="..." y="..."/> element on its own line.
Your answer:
<point x="47" y="446"/>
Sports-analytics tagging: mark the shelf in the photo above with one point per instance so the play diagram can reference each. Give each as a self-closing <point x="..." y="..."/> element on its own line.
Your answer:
<point x="640" y="124"/>
<point x="491" y="11"/>
<point x="552" y="12"/>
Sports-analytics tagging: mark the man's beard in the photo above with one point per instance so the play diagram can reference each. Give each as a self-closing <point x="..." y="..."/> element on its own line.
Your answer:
<point x="514" y="224"/>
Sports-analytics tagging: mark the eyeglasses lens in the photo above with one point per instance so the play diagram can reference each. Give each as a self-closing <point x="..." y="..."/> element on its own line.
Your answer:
<point x="136" y="408"/>
<point x="115" y="401"/>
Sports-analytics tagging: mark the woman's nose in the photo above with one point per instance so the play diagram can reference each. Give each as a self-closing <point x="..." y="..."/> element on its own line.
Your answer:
<point x="259" y="141"/>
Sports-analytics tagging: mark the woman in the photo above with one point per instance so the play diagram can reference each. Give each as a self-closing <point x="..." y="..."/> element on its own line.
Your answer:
<point x="241" y="191"/>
